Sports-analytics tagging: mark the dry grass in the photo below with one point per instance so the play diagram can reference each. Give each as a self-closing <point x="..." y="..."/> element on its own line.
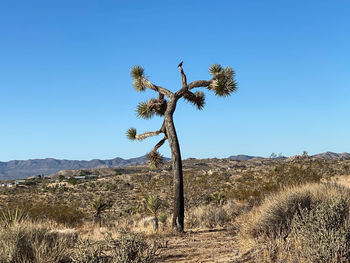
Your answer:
<point x="35" y="242"/>
<point x="212" y="215"/>
<point x="26" y="241"/>
<point x="300" y="224"/>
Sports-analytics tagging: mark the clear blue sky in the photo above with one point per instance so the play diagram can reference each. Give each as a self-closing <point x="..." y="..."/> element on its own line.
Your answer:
<point x="66" y="92"/>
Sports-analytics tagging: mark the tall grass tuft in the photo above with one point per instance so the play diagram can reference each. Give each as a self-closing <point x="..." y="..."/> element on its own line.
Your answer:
<point x="11" y="216"/>
<point x="22" y="242"/>
<point x="309" y="223"/>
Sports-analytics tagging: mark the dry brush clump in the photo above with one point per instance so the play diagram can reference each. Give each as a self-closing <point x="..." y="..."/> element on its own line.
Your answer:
<point x="213" y="215"/>
<point x="128" y="247"/>
<point x="309" y="223"/>
<point x="25" y="241"/>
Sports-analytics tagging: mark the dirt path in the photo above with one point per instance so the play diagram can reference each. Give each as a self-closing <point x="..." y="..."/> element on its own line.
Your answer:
<point x="200" y="246"/>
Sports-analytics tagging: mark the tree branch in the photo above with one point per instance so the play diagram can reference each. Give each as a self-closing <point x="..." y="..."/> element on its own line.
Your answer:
<point x="183" y="76"/>
<point x="145" y="135"/>
<point x="185" y="87"/>
<point x="192" y="85"/>
<point x="199" y="83"/>
<point x="154" y="87"/>
<point x="159" y="144"/>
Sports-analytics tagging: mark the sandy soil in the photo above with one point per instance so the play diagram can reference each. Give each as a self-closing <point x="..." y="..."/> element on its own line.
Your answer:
<point x="200" y="246"/>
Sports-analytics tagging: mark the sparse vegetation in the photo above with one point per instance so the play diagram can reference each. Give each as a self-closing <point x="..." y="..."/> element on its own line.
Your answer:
<point x="255" y="201"/>
<point x="253" y="187"/>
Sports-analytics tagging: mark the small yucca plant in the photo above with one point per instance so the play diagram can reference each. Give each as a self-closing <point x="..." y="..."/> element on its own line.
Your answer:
<point x="163" y="217"/>
<point x="153" y="204"/>
<point x="11" y="216"/>
<point x="99" y="205"/>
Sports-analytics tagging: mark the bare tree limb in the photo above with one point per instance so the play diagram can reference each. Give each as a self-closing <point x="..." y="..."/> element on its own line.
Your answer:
<point x="159" y="144"/>
<point x="199" y="83"/>
<point x="154" y="87"/>
<point x="183" y="76"/>
<point x="192" y="85"/>
<point x="145" y="135"/>
<point x="195" y="84"/>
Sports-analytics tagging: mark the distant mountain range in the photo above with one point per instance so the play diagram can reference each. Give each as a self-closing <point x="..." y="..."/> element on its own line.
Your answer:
<point x="330" y="155"/>
<point x="241" y="157"/>
<point x="22" y="169"/>
<point x="325" y="155"/>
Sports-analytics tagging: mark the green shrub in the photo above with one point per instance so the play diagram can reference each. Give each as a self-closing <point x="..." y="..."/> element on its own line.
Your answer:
<point x="216" y="198"/>
<point x="72" y="181"/>
<point x="60" y="213"/>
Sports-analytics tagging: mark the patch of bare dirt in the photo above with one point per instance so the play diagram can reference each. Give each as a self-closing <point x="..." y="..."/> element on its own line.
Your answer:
<point x="216" y="245"/>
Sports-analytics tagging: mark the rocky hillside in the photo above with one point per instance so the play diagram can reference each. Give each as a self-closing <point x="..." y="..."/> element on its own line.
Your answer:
<point x="21" y="169"/>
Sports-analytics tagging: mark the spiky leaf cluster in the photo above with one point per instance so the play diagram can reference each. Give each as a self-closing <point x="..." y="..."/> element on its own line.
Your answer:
<point x="154" y="158"/>
<point x="215" y="69"/>
<point x="153" y="203"/>
<point x="224" y="83"/>
<point x="137" y="72"/>
<point x="131" y="134"/>
<point x="98" y="204"/>
<point x="197" y="99"/>
<point x="146" y="110"/>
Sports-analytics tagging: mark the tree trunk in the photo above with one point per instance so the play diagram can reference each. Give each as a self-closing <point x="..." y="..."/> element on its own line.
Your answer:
<point x="98" y="219"/>
<point x="155" y="223"/>
<point x="178" y="213"/>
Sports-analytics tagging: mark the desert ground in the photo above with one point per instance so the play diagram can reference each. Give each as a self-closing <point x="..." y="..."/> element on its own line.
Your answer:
<point x="227" y="203"/>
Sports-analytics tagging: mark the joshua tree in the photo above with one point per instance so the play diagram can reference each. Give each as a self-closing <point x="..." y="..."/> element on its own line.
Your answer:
<point x="222" y="83"/>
